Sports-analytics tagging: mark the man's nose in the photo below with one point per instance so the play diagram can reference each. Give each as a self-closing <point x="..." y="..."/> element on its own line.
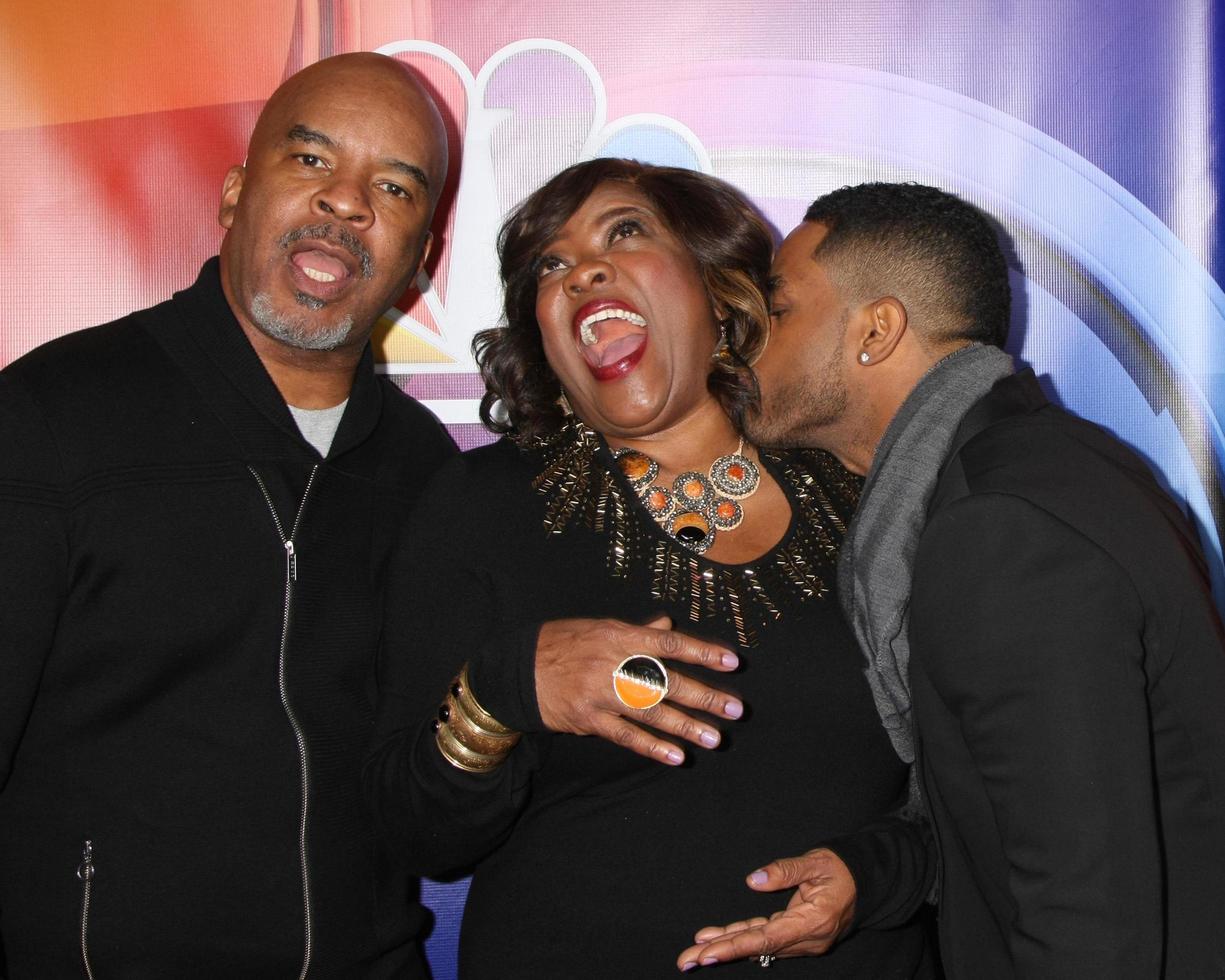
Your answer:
<point x="344" y="200"/>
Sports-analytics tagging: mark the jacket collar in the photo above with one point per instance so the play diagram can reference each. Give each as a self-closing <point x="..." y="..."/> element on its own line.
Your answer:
<point x="1017" y="394"/>
<point x="206" y="341"/>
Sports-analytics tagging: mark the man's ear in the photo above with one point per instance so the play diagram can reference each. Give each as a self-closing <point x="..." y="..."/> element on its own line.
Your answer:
<point x="425" y="254"/>
<point x="231" y="189"/>
<point x="881" y="327"/>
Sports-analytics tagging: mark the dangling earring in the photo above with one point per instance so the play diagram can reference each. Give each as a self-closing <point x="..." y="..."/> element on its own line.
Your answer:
<point x="723" y="350"/>
<point x="564" y="404"/>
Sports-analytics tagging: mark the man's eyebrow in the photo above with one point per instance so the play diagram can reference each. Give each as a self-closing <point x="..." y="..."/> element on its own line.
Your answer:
<point x="410" y="170"/>
<point x="303" y="134"/>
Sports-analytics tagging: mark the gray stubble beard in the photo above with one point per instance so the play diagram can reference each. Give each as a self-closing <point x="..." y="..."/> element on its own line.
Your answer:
<point x="299" y="329"/>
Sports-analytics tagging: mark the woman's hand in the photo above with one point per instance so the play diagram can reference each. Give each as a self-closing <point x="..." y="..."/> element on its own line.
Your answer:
<point x="575" y="661"/>
<point x="817" y="916"/>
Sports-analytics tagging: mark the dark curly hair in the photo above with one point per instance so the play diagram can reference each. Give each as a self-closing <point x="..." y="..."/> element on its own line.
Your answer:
<point x="937" y="249"/>
<point x="730" y="242"/>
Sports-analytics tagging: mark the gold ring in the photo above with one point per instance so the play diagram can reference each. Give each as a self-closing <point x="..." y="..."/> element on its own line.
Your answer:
<point x="640" y="682"/>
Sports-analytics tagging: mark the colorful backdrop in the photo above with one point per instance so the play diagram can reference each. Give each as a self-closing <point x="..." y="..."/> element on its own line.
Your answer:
<point x="1089" y="130"/>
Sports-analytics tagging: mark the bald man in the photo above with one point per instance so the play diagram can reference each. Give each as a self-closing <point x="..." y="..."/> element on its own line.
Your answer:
<point x="197" y="504"/>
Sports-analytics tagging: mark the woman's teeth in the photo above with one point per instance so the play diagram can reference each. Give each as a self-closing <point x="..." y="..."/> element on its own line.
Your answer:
<point x="586" y="329"/>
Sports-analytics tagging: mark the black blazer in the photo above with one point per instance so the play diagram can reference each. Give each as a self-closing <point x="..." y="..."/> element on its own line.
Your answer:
<point x="1068" y="678"/>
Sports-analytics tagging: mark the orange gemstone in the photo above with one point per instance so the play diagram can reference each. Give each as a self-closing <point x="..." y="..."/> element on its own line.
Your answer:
<point x="727" y="510"/>
<point x="736" y="471"/>
<point x="634" y="465"/>
<point x="690" y="519"/>
<point x="635" y="694"/>
<point x="657" y="499"/>
<point x="693" y="488"/>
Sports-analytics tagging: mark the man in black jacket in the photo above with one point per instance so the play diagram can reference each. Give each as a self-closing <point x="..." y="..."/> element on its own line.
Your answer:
<point x="197" y="504"/>
<point x="1031" y="604"/>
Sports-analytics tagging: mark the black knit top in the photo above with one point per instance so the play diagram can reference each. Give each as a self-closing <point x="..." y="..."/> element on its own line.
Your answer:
<point x="591" y="861"/>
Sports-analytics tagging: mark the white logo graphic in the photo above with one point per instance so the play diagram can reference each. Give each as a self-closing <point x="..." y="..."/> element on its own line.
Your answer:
<point x="535" y="107"/>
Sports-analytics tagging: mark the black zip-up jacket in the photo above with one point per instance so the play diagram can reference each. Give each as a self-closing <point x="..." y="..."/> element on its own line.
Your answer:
<point x="185" y="699"/>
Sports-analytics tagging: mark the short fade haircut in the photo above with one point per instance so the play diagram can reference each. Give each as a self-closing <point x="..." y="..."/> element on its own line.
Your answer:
<point x="931" y="250"/>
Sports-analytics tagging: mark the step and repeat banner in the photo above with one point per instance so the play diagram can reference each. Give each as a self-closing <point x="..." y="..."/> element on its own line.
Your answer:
<point x="1088" y="130"/>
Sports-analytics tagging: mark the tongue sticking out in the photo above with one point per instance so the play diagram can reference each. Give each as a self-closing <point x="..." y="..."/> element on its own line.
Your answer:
<point x="617" y="339"/>
<point x="622" y="347"/>
<point x="324" y="267"/>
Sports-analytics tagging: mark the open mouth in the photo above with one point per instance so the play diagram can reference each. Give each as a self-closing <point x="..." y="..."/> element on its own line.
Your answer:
<point x="612" y="337"/>
<point x="320" y="269"/>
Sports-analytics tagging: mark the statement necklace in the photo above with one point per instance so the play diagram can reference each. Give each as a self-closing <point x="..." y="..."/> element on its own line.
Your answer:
<point x="697" y="506"/>
<point x="580" y="490"/>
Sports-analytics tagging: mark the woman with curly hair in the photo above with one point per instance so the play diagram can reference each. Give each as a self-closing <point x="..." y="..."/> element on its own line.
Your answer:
<point x="624" y="492"/>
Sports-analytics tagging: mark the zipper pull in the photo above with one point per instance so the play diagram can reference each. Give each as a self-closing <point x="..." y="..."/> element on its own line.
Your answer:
<point x="291" y="559"/>
<point x="85" y="870"/>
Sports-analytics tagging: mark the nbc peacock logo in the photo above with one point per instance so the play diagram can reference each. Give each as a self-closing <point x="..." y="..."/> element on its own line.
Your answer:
<point x="534" y="108"/>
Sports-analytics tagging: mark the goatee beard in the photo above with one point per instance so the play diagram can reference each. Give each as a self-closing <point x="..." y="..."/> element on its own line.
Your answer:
<point x="299" y="329"/>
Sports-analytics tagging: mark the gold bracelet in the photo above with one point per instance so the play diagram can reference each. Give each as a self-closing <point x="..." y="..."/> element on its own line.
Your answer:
<point x="462" y="691"/>
<point x="467" y="735"/>
<point x="462" y="757"/>
<point x="473" y="736"/>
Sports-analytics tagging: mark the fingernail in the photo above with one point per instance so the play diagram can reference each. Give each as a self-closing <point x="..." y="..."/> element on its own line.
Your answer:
<point x="710" y="961"/>
<point x="676" y="757"/>
<point x="709" y="739"/>
<point x="758" y="877"/>
<point x="689" y="965"/>
<point x="730" y="660"/>
<point x="733" y="709"/>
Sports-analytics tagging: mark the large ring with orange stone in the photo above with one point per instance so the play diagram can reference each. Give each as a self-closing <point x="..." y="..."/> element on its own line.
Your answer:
<point x="640" y="682"/>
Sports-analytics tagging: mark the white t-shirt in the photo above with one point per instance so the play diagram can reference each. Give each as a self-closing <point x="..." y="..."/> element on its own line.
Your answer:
<point x="318" y="425"/>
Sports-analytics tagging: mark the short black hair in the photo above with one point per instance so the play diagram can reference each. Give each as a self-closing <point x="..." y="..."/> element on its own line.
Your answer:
<point x="731" y="245"/>
<point x="935" y="252"/>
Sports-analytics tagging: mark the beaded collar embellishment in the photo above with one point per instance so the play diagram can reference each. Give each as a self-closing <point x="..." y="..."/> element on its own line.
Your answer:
<point x="582" y="487"/>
